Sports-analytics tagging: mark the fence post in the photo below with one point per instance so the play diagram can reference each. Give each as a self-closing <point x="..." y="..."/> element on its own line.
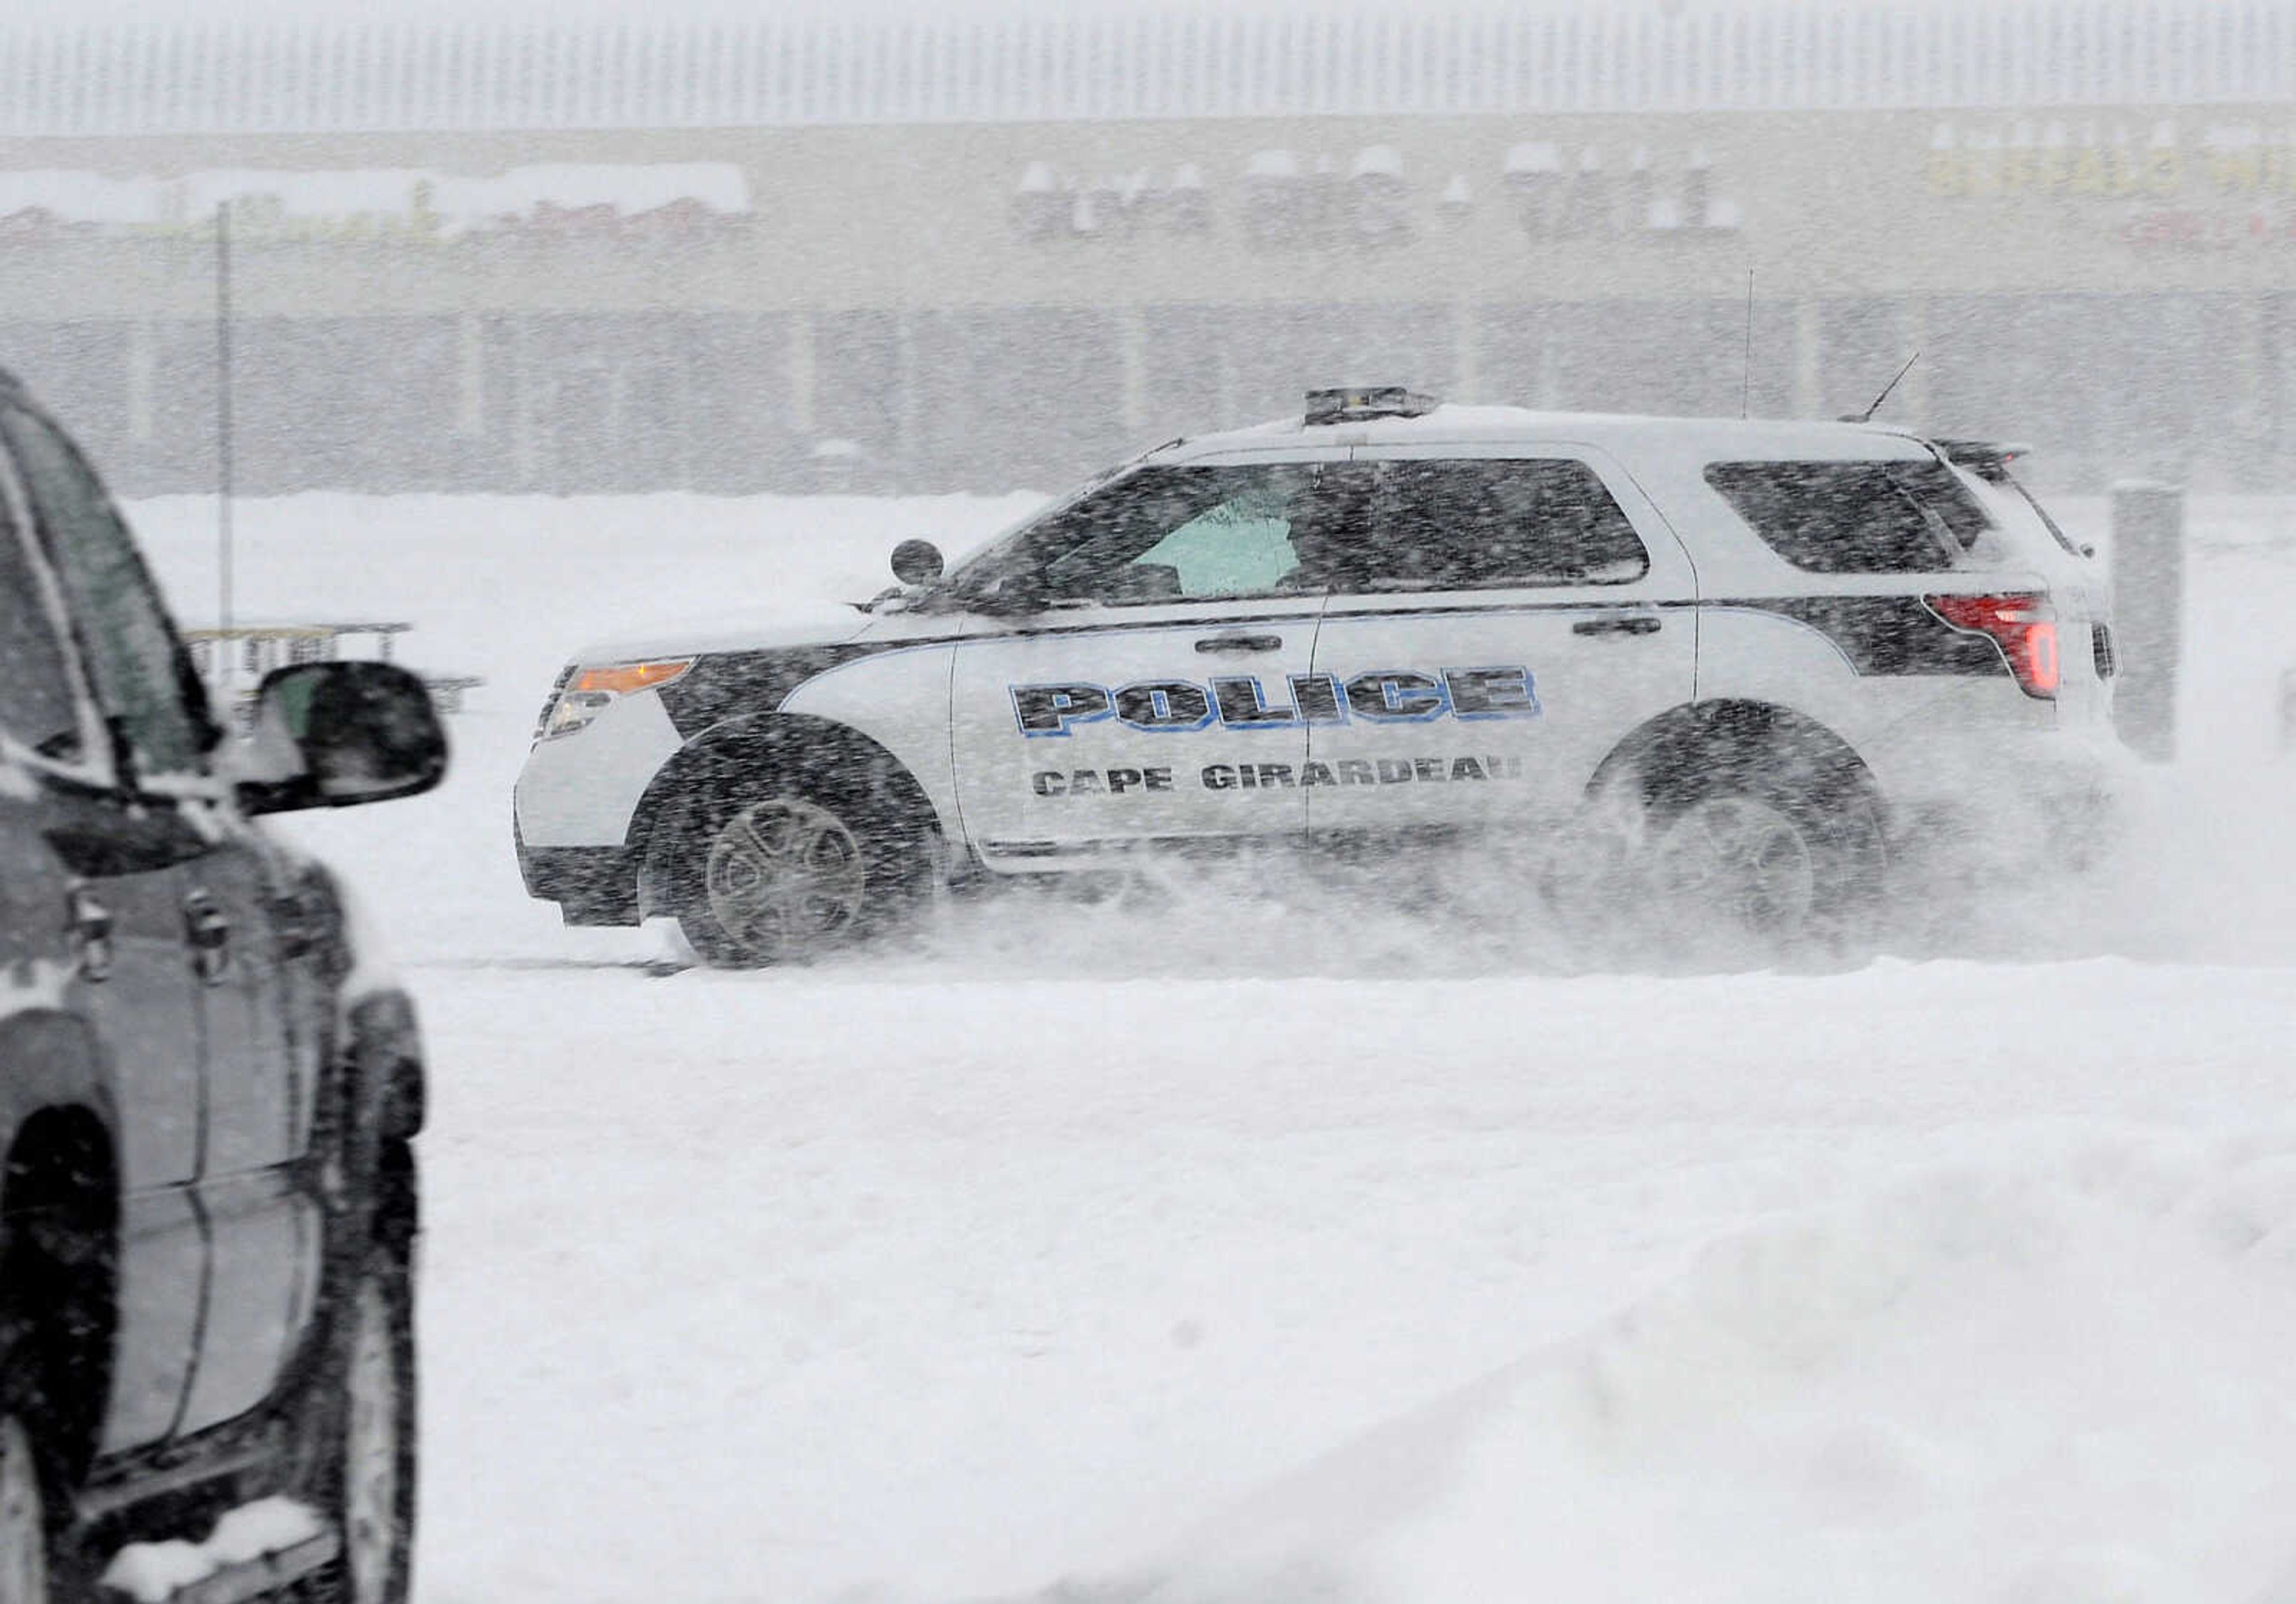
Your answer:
<point x="2148" y="604"/>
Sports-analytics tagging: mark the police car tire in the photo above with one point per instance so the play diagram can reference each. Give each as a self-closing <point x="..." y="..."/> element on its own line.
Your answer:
<point x="890" y="858"/>
<point x="1838" y="830"/>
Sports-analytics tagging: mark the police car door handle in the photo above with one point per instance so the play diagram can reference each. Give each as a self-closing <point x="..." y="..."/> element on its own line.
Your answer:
<point x="1237" y="645"/>
<point x="1627" y="624"/>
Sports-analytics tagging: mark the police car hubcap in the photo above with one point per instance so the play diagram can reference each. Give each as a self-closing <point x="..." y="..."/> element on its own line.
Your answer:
<point x="1742" y="861"/>
<point x="23" y="1536"/>
<point x="784" y="874"/>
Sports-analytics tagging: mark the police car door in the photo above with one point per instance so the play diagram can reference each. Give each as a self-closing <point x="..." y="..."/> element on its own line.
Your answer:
<point x="1504" y="620"/>
<point x="1131" y="670"/>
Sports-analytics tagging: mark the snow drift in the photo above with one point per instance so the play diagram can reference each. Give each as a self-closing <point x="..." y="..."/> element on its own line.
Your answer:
<point x="2039" y="1376"/>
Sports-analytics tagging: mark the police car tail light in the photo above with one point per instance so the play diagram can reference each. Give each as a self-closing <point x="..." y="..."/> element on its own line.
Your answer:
<point x="2022" y="623"/>
<point x="591" y="691"/>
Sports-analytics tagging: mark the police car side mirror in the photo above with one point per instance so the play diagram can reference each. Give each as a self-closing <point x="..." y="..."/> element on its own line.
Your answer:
<point x="332" y="734"/>
<point x="916" y="562"/>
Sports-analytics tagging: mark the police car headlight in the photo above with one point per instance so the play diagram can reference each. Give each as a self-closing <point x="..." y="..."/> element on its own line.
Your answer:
<point x="590" y="691"/>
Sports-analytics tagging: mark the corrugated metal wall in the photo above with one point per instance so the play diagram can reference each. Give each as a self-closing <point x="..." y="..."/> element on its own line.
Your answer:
<point x="1041" y="66"/>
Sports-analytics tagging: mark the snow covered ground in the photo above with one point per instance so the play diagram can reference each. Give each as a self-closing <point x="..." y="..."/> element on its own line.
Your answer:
<point x="1268" y="1249"/>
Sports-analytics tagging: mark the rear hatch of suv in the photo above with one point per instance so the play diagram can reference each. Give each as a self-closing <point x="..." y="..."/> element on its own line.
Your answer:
<point x="1946" y="529"/>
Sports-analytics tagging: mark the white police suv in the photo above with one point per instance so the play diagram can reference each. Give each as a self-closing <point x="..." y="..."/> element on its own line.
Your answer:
<point x="1790" y="652"/>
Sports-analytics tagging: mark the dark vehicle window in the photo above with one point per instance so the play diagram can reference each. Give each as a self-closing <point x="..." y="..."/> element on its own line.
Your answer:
<point x="36" y="709"/>
<point x="1167" y="535"/>
<point x="1856" y="518"/>
<point x="1464" y="524"/>
<point x="130" y="647"/>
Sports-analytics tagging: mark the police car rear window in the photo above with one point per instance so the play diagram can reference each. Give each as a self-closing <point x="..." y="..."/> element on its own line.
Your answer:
<point x="1479" y="523"/>
<point x="1856" y="518"/>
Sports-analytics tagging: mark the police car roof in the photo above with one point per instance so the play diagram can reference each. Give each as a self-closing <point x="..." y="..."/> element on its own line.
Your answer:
<point x="1709" y="439"/>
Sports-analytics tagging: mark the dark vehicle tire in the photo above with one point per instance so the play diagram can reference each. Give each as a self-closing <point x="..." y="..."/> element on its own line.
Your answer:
<point x="1749" y="870"/>
<point x="360" y="1452"/>
<point x="770" y="873"/>
<point x="25" y="1529"/>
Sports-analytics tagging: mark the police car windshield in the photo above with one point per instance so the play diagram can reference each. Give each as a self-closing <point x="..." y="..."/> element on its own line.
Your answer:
<point x="1163" y="534"/>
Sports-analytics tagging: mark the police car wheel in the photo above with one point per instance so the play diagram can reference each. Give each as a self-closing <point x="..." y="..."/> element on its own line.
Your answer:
<point x="785" y="877"/>
<point x="1762" y="873"/>
<point x="1743" y="862"/>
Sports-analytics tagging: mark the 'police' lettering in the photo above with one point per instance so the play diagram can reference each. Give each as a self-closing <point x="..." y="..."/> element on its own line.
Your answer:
<point x="1317" y="698"/>
<point x="1242" y="706"/>
<point x="1490" y="692"/>
<point x="1240" y="702"/>
<point x="1164" y="705"/>
<point x="1394" y="695"/>
<point x="1050" y="710"/>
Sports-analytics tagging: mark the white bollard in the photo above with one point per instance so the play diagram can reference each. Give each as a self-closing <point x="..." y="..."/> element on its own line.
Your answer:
<point x="2148" y="604"/>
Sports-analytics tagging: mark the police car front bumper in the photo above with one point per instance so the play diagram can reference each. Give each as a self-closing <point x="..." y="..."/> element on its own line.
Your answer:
<point x="591" y="885"/>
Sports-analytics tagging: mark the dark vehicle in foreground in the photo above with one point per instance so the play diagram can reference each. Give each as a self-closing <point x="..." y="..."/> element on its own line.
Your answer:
<point x="208" y="1089"/>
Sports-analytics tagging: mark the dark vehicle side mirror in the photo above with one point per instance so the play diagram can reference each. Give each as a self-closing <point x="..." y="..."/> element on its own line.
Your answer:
<point x="916" y="562"/>
<point x="334" y="734"/>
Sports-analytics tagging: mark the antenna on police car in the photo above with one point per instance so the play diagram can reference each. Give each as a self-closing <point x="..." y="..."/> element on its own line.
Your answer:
<point x="1746" y="384"/>
<point x="1867" y="416"/>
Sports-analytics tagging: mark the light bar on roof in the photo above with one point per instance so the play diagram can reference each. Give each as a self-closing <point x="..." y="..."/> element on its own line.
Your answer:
<point x="1357" y="403"/>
